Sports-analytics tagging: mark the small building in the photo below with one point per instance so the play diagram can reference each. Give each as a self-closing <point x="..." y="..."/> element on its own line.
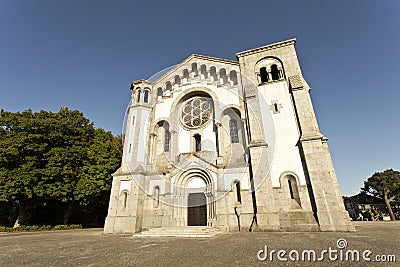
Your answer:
<point x="365" y="207"/>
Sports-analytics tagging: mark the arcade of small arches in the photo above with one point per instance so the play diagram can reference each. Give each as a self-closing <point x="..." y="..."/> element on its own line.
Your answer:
<point x="211" y="75"/>
<point x="269" y="70"/>
<point x="146" y="95"/>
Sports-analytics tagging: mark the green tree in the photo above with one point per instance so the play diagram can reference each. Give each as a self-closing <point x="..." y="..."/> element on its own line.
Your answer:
<point x="50" y="157"/>
<point x="384" y="185"/>
<point x="103" y="158"/>
<point x="69" y="135"/>
<point x="22" y="146"/>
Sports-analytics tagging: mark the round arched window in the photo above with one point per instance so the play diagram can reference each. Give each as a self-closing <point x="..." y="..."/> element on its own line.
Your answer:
<point x="196" y="112"/>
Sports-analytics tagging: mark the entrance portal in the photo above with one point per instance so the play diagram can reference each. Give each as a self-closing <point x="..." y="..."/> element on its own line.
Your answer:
<point x="197" y="210"/>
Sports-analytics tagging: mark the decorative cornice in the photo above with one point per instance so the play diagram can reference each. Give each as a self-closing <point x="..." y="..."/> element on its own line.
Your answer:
<point x="140" y="82"/>
<point x="266" y="47"/>
<point x="209" y="58"/>
<point x="313" y="137"/>
<point x="257" y="143"/>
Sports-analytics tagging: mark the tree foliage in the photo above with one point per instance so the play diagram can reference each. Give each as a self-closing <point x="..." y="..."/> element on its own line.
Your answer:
<point x="48" y="157"/>
<point x="385" y="185"/>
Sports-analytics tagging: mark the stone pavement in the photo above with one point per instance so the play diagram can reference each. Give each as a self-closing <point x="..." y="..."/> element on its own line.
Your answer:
<point x="90" y="247"/>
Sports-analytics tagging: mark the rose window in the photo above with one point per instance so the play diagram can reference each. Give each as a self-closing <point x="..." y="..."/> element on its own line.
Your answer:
<point x="196" y="112"/>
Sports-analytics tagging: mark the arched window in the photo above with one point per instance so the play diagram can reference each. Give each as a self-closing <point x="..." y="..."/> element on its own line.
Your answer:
<point x="238" y="193"/>
<point x="233" y="77"/>
<point x="125" y="199"/>
<point x="146" y="96"/>
<point x="159" y="93"/>
<point x="276" y="109"/>
<point x="203" y="72"/>
<point x="168" y="88"/>
<point x="194" y="69"/>
<point x="167" y="139"/>
<point x="275" y="72"/>
<point x="185" y="77"/>
<point x="213" y="74"/>
<point x="197" y="140"/>
<point x="177" y="81"/>
<point x="264" y="75"/>
<point x="222" y="76"/>
<point x="233" y="131"/>
<point x="293" y="189"/>
<point x="269" y="69"/>
<point x="138" y="96"/>
<point x="156" y="194"/>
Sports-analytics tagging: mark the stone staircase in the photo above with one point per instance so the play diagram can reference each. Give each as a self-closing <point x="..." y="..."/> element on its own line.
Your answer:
<point x="188" y="231"/>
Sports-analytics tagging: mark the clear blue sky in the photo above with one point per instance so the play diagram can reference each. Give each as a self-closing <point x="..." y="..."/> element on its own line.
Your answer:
<point x="84" y="54"/>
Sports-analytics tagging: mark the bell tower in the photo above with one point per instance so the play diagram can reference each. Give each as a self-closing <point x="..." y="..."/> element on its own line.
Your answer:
<point x="299" y="189"/>
<point x="125" y="212"/>
<point x="135" y="150"/>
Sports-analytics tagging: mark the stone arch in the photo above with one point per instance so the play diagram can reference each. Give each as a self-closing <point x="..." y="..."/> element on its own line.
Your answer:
<point x="237" y="189"/>
<point x="181" y="192"/>
<point x="185" y="76"/>
<point x="197" y="91"/>
<point x="159" y="93"/>
<point x="269" y="69"/>
<point x="184" y="178"/>
<point x="232" y="140"/>
<point x="123" y="197"/>
<point x="203" y="72"/>
<point x="233" y="77"/>
<point x="168" y="88"/>
<point x="177" y="81"/>
<point x="138" y="95"/>
<point x="223" y="79"/>
<point x="213" y="74"/>
<point x="194" y="69"/>
<point x="160" y="144"/>
<point x="156" y="196"/>
<point x="290" y="185"/>
<point x="263" y="75"/>
<point x="146" y="95"/>
<point x="233" y="112"/>
<point x="275" y="72"/>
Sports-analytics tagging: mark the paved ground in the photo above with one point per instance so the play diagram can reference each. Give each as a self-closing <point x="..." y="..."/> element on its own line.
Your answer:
<point x="89" y="247"/>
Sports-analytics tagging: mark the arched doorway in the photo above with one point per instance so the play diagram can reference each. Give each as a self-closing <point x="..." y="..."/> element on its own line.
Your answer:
<point x="197" y="209"/>
<point x="193" y="194"/>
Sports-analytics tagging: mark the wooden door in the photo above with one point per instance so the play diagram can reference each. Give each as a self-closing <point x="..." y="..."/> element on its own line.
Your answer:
<point x="197" y="210"/>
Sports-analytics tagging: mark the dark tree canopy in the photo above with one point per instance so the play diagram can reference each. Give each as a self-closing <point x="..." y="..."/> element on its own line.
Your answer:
<point x="385" y="185"/>
<point x="58" y="158"/>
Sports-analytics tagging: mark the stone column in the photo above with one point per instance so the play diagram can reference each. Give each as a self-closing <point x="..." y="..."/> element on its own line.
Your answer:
<point x="220" y="158"/>
<point x="153" y="137"/>
<point x="244" y="129"/>
<point x="172" y="147"/>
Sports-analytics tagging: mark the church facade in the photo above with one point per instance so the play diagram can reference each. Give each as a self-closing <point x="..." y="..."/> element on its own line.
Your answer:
<point x="228" y="144"/>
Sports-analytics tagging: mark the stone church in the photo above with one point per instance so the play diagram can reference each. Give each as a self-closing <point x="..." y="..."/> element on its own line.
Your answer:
<point x="226" y="144"/>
